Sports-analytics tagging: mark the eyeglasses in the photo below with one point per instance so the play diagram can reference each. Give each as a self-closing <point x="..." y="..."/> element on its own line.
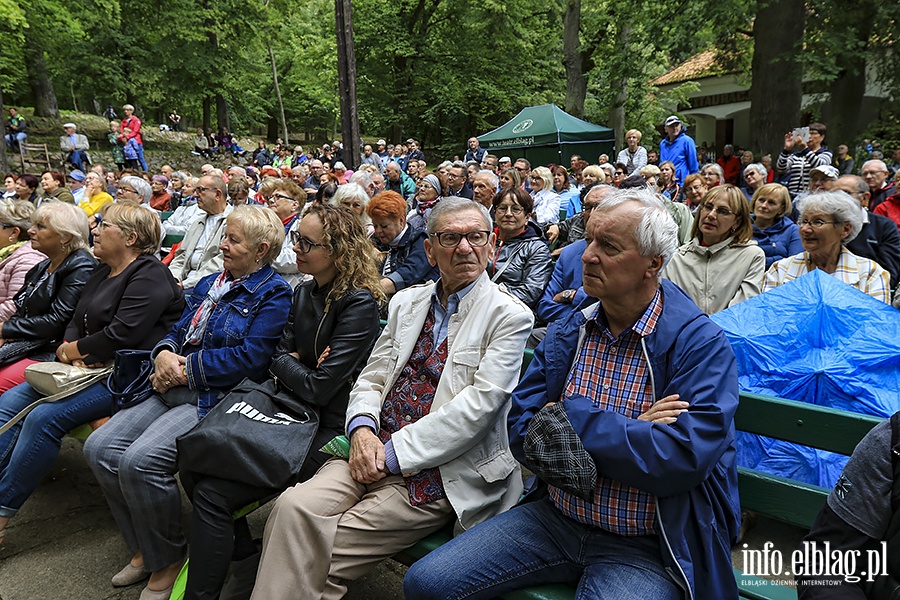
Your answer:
<point x="816" y="223"/>
<point x="521" y="169"/>
<point x="719" y="210"/>
<point x="451" y="239"/>
<point x="306" y="245"/>
<point x="620" y="172"/>
<point x="281" y="197"/>
<point x="512" y="208"/>
<point x="128" y="189"/>
<point x="200" y="189"/>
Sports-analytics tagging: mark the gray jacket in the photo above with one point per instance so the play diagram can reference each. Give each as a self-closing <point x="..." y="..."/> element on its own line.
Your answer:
<point x="523" y="265"/>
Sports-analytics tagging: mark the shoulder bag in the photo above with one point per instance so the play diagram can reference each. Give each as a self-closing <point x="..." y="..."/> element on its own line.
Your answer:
<point x="250" y="437"/>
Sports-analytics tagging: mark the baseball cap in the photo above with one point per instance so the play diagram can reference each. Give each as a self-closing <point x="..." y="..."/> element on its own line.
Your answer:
<point x="672" y="120"/>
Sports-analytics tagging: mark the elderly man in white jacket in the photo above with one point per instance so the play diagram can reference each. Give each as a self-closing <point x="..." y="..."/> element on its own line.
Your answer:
<point x="426" y="420"/>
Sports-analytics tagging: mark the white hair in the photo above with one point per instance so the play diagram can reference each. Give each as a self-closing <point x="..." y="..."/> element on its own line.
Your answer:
<point x="492" y="177"/>
<point x="656" y="232"/>
<point x="842" y="207"/>
<point x="759" y="168"/>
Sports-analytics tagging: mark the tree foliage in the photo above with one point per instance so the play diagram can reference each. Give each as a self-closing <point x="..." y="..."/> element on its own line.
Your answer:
<point x="431" y="69"/>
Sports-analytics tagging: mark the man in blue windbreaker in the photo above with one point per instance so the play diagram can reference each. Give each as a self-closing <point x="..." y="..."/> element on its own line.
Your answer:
<point x="627" y="412"/>
<point x="680" y="148"/>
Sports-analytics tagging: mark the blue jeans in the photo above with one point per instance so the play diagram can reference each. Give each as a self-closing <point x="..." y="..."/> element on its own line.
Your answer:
<point x="535" y="544"/>
<point x="18" y="137"/>
<point x="77" y="158"/>
<point x="29" y="449"/>
<point x="140" y="157"/>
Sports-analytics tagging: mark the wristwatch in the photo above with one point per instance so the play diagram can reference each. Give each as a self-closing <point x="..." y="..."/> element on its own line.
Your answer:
<point x="568" y="295"/>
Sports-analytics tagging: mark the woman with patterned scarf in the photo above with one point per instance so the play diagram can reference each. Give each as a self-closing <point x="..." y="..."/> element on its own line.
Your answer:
<point x="228" y="331"/>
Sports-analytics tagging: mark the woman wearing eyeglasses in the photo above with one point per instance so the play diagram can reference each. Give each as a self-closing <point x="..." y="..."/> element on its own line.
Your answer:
<point x="287" y="199"/>
<point x="227" y="332"/>
<point x="521" y="259"/>
<point x="722" y="265"/>
<point x="332" y="327"/>
<point x="828" y="221"/>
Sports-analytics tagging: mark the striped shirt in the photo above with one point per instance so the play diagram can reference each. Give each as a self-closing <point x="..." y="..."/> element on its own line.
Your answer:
<point x="865" y="275"/>
<point x="613" y="373"/>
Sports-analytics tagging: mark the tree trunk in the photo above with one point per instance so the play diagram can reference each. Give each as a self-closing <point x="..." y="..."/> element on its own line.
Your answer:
<point x="347" y="83"/>
<point x="207" y="113"/>
<point x="45" y="104"/>
<point x="222" y="113"/>
<point x="4" y="162"/>
<point x="776" y="91"/>
<point x="848" y="89"/>
<point x="617" y="108"/>
<point x="284" y="129"/>
<point x="576" y="81"/>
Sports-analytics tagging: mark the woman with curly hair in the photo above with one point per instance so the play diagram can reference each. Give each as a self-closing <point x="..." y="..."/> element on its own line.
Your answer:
<point x="331" y="329"/>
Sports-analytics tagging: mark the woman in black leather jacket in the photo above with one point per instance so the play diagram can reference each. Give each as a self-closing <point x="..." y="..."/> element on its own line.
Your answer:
<point x="47" y="299"/>
<point x="330" y="332"/>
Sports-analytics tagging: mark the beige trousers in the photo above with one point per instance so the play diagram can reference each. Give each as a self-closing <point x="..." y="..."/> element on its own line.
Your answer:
<point x="331" y="529"/>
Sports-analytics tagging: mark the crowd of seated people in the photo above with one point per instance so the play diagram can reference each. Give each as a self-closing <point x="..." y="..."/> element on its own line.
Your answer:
<point x="282" y="272"/>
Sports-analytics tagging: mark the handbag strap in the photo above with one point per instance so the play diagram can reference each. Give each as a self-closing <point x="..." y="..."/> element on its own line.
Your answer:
<point x="52" y="398"/>
<point x="134" y="386"/>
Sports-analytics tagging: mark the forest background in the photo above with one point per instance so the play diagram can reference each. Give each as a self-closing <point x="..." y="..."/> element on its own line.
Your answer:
<point x="441" y="70"/>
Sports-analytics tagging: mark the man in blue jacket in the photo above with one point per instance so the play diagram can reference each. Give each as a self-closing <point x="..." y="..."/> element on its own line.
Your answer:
<point x="680" y="148"/>
<point x="634" y="395"/>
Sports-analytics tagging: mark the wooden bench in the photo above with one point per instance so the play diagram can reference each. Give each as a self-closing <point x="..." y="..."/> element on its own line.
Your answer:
<point x="34" y="154"/>
<point x="779" y="498"/>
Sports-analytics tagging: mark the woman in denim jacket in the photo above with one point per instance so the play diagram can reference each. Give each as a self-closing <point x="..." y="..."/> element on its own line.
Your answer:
<point x="228" y="331"/>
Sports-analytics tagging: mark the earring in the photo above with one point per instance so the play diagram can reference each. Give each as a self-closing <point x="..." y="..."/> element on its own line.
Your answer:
<point x="12" y="238"/>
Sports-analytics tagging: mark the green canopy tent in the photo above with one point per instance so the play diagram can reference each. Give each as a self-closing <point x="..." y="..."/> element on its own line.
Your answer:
<point x="547" y="134"/>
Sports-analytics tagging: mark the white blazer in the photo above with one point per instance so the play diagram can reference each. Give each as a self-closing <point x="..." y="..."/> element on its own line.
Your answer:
<point x="465" y="434"/>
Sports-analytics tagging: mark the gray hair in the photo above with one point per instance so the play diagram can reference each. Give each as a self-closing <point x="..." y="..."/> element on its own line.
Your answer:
<point x="877" y="163"/>
<point x="180" y="176"/>
<point x="259" y="226"/>
<point x="492" y="177"/>
<point x="840" y="206"/>
<point x="656" y="232"/>
<point x="363" y="178"/>
<point x="351" y="191"/>
<point x="453" y="205"/>
<point x="444" y="165"/>
<point x="716" y="168"/>
<point x="140" y="186"/>
<point x="759" y="168"/>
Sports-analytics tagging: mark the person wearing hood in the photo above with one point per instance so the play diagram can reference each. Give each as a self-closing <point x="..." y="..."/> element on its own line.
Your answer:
<point x="522" y="259"/>
<point x="773" y="230"/>
<point x="722" y="265"/>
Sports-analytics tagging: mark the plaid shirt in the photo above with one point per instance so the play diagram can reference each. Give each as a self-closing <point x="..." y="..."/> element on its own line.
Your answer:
<point x="613" y="372"/>
<point x="865" y="275"/>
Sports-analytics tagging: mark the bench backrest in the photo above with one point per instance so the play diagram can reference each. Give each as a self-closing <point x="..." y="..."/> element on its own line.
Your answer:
<point x="781" y="498"/>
